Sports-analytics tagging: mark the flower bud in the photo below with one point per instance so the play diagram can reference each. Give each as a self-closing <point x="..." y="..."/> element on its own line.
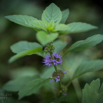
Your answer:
<point x="49" y="48"/>
<point x="59" y="73"/>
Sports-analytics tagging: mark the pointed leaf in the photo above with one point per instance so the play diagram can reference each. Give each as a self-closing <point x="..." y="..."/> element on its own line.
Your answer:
<point x="45" y="38"/>
<point x="24" y="45"/>
<point x="79" y="27"/>
<point x="91" y="93"/>
<point x="16" y="84"/>
<point x="23" y="20"/>
<point x="61" y="27"/>
<point x="65" y="15"/>
<point x="32" y="87"/>
<point x="24" y="53"/>
<point x="52" y="12"/>
<point x="84" y="44"/>
<point x="88" y="66"/>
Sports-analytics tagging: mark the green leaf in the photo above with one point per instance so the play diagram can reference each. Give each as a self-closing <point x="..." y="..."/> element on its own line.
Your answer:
<point x="28" y="21"/>
<point x="32" y="87"/>
<point x="24" y="48"/>
<point x="23" y="20"/>
<point x="62" y="44"/>
<point x="52" y="12"/>
<point x="24" y="71"/>
<point x="47" y="72"/>
<point x="91" y="93"/>
<point x="40" y="24"/>
<point x="88" y="66"/>
<point x="84" y="44"/>
<point x="16" y="84"/>
<point x="24" y="45"/>
<point x="65" y="15"/>
<point x="45" y="38"/>
<point x="61" y="27"/>
<point x="75" y="27"/>
<point x="79" y="27"/>
<point x="24" y="53"/>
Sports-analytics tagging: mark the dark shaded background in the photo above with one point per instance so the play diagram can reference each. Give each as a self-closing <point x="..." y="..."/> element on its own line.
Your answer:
<point x="89" y="11"/>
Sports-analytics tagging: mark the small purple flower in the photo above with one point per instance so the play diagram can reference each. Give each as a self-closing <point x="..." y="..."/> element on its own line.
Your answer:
<point x="48" y="60"/>
<point x="65" y="72"/>
<point x="52" y="80"/>
<point x="57" y="78"/>
<point x="56" y="60"/>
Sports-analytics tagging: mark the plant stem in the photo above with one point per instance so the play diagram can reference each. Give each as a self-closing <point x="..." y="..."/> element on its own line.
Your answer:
<point x="60" y="86"/>
<point x="70" y="82"/>
<point x="56" y="69"/>
<point x="65" y="54"/>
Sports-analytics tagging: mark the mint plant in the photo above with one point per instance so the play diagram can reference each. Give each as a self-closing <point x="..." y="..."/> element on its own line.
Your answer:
<point x="51" y="27"/>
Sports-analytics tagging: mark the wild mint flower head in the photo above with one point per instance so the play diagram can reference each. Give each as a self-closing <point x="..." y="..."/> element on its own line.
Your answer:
<point x="56" y="59"/>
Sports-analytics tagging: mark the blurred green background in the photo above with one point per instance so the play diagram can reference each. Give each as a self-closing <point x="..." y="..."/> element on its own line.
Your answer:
<point x="88" y="11"/>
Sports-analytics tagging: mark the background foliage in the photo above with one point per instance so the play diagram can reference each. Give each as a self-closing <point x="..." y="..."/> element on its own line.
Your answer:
<point x="10" y="33"/>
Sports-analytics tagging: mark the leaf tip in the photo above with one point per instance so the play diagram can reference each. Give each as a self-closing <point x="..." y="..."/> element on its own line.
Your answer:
<point x="20" y="97"/>
<point x="10" y="60"/>
<point x="6" y="17"/>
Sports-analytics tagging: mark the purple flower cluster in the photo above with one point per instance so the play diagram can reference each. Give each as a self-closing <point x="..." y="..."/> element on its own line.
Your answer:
<point x="56" y="60"/>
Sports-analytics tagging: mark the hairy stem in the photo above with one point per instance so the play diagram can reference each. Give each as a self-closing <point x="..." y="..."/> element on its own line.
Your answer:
<point x="56" y="69"/>
<point x="60" y="86"/>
